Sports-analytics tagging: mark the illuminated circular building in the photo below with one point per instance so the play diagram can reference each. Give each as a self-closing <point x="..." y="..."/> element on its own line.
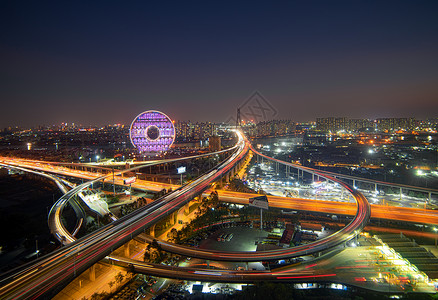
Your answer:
<point x="152" y="131"/>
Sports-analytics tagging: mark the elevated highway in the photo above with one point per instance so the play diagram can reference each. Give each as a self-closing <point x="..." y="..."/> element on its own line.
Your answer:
<point x="396" y="213"/>
<point x="348" y="178"/>
<point x="348" y="232"/>
<point x="49" y="274"/>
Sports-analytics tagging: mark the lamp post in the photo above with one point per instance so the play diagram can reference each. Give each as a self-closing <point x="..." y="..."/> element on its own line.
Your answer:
<point x="435" y="229"/>
<point x="114" y="184"/>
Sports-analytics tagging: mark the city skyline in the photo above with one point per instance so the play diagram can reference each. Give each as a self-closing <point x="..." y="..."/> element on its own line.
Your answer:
<point x="103" y="64"/>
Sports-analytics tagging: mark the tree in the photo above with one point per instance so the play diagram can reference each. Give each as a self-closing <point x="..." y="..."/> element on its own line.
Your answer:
<point x="147" y="255"/>
<point x="173" y="234"/>
<point x="119" y="278"/>
<point x="155" y="245"/>
<point x="95" y="296"/>
<point x="111" y="284"/>
<point x="99" y="296"/>
<point x="214" y="198"/>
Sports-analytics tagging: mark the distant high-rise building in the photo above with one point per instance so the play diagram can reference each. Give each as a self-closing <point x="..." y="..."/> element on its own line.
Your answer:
<point x="395" y="123"/>
<point x="331" y="124"/>
<point x="357" y="124"/>
<point x="275" y="128"/>
<point x="186" y="130"/>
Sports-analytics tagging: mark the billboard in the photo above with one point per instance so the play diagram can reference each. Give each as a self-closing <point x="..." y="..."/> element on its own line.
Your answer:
<point x="259" y="202"/>
<point x="129" y="180"/>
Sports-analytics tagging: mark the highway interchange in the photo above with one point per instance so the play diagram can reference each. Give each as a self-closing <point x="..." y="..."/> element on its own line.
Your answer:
<point x="50" y="273"/>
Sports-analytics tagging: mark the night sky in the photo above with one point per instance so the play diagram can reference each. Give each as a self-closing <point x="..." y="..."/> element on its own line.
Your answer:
<point x="104" y="62"/>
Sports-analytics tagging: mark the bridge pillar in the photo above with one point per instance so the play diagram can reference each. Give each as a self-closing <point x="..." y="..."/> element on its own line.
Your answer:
<point x="92" y="273"/>
<point x="126" y="248"/>
<point x="173" y="217"/>
<point x="186" y="209"/>
<point x="152" y="231"/>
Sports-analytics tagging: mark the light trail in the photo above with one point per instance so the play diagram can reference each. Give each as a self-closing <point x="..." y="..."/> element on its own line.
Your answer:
<point x="57" y="269"/>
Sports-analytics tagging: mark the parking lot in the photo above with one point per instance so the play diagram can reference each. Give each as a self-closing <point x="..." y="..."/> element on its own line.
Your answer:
<point x="243" y="239"/>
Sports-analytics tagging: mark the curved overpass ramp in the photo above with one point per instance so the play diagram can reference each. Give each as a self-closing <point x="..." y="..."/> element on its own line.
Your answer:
<point x="51" y="273"/>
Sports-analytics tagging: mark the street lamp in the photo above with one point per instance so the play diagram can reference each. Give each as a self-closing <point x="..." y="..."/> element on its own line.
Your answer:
<point x="435" y="229"/>
<point x="420" y="173"/>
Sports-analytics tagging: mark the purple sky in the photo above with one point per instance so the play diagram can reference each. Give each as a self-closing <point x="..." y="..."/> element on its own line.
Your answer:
<point x="106" y="62"/>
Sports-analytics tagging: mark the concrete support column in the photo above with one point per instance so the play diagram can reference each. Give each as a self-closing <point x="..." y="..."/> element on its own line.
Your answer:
<point x="126" y="248"/>
<point x="152" y="231"/>
<point x="173" y="217"/>
<point x="92" y="273"/>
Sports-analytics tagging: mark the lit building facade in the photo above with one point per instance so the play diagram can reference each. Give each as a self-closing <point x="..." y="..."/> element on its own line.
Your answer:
<point x="152" y="131"/>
